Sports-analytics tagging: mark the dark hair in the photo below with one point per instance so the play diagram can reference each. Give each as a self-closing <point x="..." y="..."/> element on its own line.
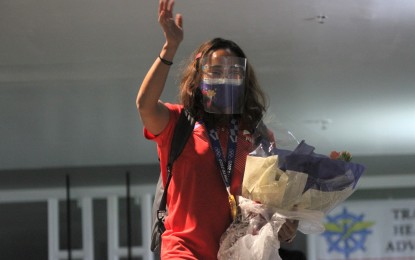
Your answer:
<point x="255" y="101"/>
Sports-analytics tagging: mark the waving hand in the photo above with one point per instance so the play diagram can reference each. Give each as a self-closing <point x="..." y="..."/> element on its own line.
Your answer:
<point x="173" y="28"/>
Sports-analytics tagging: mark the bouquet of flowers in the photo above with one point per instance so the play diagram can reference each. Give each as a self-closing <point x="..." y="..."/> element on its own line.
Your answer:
<point x="282" y="185"/>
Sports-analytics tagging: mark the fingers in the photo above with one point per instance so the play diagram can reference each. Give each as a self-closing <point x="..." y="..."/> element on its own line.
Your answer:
<point x="292" y="226"/>
<point x="161" y="6"/>
<point x="288" y="231"/>
<point x="172" y="26"/>
<point x="166" y="6"/>
<point x="165" y="10"/>
<point x="179" y="20"/>
<point x="170" y="5"/>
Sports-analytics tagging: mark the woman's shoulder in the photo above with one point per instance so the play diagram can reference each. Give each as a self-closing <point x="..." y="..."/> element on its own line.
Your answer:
<point x="174" y="108"/>
<point x="165" y="134"/>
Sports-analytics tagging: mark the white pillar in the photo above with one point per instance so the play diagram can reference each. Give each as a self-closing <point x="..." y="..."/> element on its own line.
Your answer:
<point x="87" y="229"/>
<point x="146" y="208"/>
<point x="53" y="229"/>
<point x="113" y="235"/>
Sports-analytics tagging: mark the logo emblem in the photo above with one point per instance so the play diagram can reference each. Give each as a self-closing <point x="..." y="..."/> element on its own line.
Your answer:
<point x="346" y="233"/>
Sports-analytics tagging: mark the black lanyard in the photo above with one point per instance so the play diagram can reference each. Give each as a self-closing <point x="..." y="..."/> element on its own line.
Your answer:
<point x="226" y="167"/>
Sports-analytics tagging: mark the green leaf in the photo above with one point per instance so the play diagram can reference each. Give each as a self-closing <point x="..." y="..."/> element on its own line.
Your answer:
<point x="358" y="227"/>
<point x="333" y="227"/>
<point x="361" y="225"/>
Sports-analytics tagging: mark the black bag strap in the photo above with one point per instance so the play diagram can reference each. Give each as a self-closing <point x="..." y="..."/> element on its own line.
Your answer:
<point x="182" y="131"/>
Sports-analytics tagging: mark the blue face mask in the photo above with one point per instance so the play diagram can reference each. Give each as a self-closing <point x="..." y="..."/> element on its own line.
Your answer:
<point x="222" y="95"/>
<point x="223" y="84"/>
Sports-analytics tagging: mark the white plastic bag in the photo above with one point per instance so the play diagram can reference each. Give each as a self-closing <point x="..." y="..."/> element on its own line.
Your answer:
<point x="254" y="235"/>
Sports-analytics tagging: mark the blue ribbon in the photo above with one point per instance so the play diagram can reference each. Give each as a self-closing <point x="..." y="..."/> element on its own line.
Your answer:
<point x="226" y="167"/>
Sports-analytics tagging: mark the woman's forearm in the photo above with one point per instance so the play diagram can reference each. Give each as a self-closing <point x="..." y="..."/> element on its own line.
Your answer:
<point x="152" y="112"/>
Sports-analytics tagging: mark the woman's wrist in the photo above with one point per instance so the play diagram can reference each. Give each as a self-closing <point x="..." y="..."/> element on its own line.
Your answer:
<point x="167" y="62"/>
<point x="169" y="49"/>
<point x="167" y="53"/>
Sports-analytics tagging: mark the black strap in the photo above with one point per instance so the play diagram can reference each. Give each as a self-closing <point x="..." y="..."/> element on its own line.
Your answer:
<point x="182" y="131"/>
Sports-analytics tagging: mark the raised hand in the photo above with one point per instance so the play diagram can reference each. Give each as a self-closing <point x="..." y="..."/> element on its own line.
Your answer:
<point x="173" y="28"/>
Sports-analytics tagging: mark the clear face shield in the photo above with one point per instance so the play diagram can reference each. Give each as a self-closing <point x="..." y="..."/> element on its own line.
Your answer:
<point x="223" y="84"/>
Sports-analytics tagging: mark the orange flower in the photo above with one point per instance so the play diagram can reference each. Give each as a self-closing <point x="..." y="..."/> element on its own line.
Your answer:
<point x="334" y="155"/>
<point x="344" y="155"/>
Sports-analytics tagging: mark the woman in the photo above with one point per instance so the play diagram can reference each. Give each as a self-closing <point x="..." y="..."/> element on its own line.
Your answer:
<point x="220" y="90"/>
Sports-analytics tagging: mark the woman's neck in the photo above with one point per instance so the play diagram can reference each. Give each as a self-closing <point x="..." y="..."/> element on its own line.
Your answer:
<point x="218" y="120"/>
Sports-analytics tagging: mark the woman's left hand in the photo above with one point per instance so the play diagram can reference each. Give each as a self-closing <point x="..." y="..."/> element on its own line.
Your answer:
<point x="288" y="231"/>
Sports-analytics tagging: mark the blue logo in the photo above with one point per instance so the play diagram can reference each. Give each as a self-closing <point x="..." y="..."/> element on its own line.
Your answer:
<point x="346" y="233"/>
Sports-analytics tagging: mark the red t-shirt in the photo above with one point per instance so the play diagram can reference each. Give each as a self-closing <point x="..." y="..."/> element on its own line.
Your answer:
<point x="197" y="200"/>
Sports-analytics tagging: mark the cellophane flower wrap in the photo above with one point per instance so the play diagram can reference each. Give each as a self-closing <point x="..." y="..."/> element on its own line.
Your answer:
<point x="282" y="185"/>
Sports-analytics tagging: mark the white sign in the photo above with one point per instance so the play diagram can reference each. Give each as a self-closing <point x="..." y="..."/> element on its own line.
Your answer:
<point x="367" y="230"/>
